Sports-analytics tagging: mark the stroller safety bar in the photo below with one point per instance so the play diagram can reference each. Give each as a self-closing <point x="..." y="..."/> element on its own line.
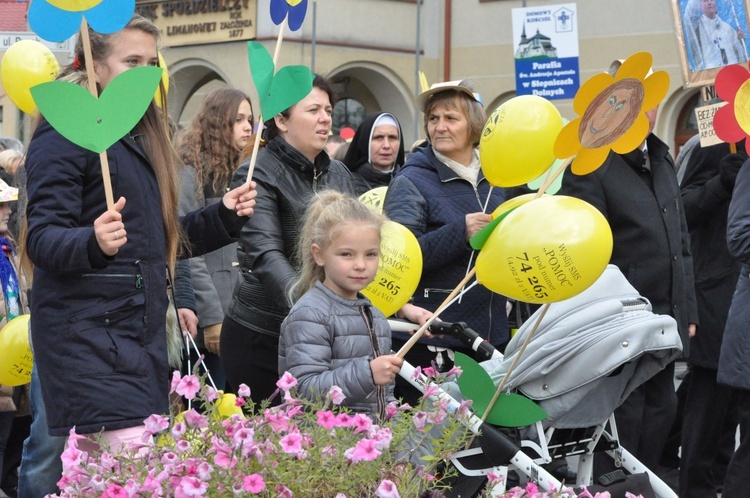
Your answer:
<point x="458" y="330"/>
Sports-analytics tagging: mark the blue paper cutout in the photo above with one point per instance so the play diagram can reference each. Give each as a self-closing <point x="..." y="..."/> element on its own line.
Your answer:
<point x="57" y="25"/>
<point x="280" y="9"/>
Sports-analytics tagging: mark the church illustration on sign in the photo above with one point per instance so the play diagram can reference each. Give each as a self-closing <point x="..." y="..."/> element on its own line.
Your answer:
<point x="538" y="46"/>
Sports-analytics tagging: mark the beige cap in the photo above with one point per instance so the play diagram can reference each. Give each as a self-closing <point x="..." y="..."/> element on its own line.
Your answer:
<point x="458" y="85"/>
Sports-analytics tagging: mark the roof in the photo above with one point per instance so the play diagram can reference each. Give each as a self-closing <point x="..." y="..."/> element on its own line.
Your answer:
<point x="13" y="15"/>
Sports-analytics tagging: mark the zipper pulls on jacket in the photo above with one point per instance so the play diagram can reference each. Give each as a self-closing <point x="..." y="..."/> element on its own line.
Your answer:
<point x="316" y="175"/>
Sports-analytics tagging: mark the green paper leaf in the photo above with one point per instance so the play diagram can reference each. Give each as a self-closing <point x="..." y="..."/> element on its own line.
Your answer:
<point x="261" y="67"/>
<point x="280" y="91"/>
<point x="480" y="238"/>
<point x="290" y="85"/>
<point x="95" y="124"/>
<point x="510" y="410"/>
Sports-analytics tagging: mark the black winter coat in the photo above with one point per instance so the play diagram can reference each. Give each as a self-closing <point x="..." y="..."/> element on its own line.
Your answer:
<point x="734" y="361"/>
<point x="706" y="202"/>
<point x="432" y="201"/>
<point x="651" y="241"/>
<point x="98" y="323"/>
<point x="286" y="181"/>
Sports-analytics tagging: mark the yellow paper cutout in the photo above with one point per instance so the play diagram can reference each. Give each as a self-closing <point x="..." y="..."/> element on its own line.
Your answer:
<point x="742" y="107"/>
<point x="74" y="5"/>
<point x="610" y="113"/>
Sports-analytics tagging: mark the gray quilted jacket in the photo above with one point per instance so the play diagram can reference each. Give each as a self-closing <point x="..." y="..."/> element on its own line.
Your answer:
<point x="326" y="341"/>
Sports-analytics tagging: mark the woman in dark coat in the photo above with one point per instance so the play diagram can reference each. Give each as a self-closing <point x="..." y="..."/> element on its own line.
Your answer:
<point x="99" y="296"/>
<point x="289" y="170"/>
<point x="442" y="196"/>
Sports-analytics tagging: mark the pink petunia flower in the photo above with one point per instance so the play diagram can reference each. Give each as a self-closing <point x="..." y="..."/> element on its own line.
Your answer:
<point x="195" y="419"/>
<point x="365" y="449"/>
<point x="175" y="381"/>
<point x="343" y="420"/>
<point x="361" y="423"/>
<point x="420" y="420"/>
<point x="243" y="392"/>
<point x="156" y="423"/>
<point x="188" y="386"/>
<point x="253" y="483"/>
<point x="336" y="395"/>
<point x="114" y="491"/>
<point x="387" y="489"/>
<point x="283" y="492"/>
<point x="327" y="419"/>
<point x="192" y="486"/>
<point x="291" y="443"/>
<point x="286" y="382"/>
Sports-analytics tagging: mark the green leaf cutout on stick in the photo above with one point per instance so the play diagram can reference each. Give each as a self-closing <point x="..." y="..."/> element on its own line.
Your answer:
<point x="510" y="410"/>
<point x="95" y="124"/>
<point x="478" y="240"/>
<point x="279" y="91"/>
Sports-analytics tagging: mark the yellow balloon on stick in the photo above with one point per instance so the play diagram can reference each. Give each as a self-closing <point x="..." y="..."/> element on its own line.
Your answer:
<point x="518" y="140"/>
<point x="26" y="63"/>
<point x="399" y="271"/>
<point x="374" y="198"/>
<point x="546" y="250"/>
<point x="16" y="359"/>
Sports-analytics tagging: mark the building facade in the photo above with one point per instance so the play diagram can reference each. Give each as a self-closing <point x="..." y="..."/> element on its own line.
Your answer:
<point x="372" y="50"/>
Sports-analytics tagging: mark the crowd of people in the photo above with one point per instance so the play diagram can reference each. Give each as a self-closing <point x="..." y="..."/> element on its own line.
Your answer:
<point x="266" y="274"/>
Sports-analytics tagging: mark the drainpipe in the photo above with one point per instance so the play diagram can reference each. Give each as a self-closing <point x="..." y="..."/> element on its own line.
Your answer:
<point x="447" y="37"/>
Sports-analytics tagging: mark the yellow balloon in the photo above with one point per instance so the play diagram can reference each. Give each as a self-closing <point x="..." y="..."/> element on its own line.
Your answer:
<point x="26" y="63"/>
<point x="74" y="5"/>
<point x="399" y="271"/>
<point x="164" y="79"/>
<point x="16" y="359"/>
<point x="226" y="403"/>
<point x="518" y="140"/>
<point x="512" y="204"/>
<point x="374" y="198"/>
<point x="547" y="250"/>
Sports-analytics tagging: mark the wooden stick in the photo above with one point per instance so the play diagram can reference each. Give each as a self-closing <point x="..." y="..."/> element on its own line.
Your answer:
<point x="733" y="147"/>
<point x="413" y="340"/>
<point x="551" y="179"/>
<point x="259" y="132"/>
<point x="512" y="366"/>
<point x="89" y="61"/>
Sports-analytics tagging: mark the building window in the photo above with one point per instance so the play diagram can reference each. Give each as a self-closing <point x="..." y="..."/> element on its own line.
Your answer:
<point x="347" y="113"/>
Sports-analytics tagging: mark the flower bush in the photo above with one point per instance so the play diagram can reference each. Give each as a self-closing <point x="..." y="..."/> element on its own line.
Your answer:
<point x="301" y="448"/>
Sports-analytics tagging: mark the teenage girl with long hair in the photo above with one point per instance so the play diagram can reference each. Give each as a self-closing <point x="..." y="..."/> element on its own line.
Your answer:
<point x="210" y="150"/>
<point x="99" y="296"/>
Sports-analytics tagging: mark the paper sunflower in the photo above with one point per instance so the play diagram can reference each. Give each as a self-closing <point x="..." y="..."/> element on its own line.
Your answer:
<point x="58" y="20"/>
<point x="295" y="8"/>
<point x="732" y="122"/>
<point x="611" y="113"/>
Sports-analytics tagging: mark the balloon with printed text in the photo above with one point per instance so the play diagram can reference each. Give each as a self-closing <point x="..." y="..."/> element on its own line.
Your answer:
<point x="16" y="359"/>
<point x="374" y="198"/>
<point x="546" y="250"/>
<point x="399" y="271"/>
<point x="518" y="139"/>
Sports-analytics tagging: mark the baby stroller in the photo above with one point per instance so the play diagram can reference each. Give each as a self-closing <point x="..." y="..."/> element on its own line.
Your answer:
<point x="587" y="355"/>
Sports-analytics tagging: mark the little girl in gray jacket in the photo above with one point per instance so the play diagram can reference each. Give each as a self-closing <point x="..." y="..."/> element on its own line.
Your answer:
<point x="333" y="335"/>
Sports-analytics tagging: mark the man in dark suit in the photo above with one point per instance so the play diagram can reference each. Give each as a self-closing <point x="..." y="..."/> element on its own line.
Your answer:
<point x="638" y="194"/>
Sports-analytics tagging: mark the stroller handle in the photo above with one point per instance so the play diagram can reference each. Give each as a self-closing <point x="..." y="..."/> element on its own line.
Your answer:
<point x="458" y="330"/>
